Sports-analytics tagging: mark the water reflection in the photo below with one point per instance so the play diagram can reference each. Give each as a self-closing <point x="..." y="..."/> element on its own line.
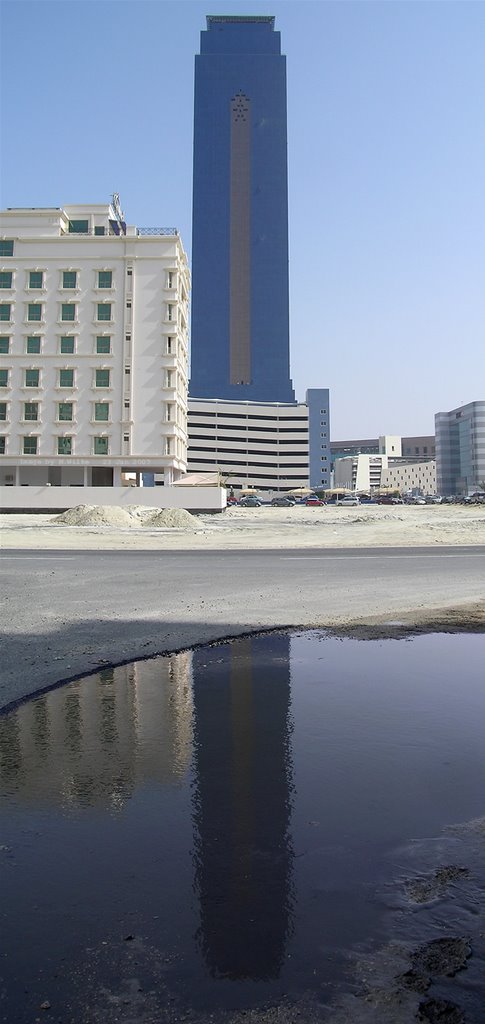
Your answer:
<point x="242" y="806"/>
<point x="93" y="742"/>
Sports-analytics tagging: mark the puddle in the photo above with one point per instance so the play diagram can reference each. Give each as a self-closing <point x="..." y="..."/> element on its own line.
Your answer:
<point x="265" y="830"/>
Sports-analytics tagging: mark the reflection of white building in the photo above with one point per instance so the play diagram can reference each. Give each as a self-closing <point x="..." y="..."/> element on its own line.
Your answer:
<point x="388" y="469"/>
<point x="92" y="741"/>
<point x="94" y="348"/>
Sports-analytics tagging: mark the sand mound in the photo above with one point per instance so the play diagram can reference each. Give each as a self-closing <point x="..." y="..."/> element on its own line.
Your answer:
<point x="172" y="518"/>
<point x="96" y="515"/>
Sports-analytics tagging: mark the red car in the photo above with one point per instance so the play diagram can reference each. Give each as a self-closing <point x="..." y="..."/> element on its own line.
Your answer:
<point x="314" y="501"/>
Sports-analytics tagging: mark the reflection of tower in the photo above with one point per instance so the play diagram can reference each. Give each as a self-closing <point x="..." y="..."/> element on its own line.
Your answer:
<point x="242" y="806"/>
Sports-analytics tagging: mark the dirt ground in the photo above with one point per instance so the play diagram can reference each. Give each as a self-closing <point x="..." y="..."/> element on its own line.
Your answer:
<point x="264" y="528"/>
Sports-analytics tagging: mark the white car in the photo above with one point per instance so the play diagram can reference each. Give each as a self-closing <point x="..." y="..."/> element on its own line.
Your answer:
<point x="348" y="499"/>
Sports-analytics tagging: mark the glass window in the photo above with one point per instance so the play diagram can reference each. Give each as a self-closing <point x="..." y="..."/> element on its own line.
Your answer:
<point x="30" y="445"/>
<point x="102" y="378"/>
<point x="78" y="227"/>
<point x="5" y="309"/>
<point x="67" y="345"/>
<point x="31" y="411"/>
<point x="104" y="310"/>
<point x="68" y="311"/>
<point x="105" y="279"/>
<point x="32" y="378"/>
<point x="2" y="446"/>
<point x="64" y="445"/>
<point x="6" y="247"/>
<point x="64" y="412"/>
<point x="36" y="279"/>
<point x="66" y="378"/>
<point x="33" y="345"/>
<point x="103" y="345"/>
<point x="34" y="311"/>
<point x="99" y="230"/>
<point x="3" y="378"/>
<point x="101" y="411"/>
<point x="100" y="445"/>
<point x="4" y="344"/>
<point x="69" y="278"/>
<point x="5" y="278"/>
<point x="3" y="411"/>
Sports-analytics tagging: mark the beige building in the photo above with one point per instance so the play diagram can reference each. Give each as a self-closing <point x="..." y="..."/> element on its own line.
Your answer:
<point x="389" y="469"/>
<point x="93" y="348"/>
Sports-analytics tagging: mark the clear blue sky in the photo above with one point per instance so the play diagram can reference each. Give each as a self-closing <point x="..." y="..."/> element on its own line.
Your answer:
<point x="386" y="142"/>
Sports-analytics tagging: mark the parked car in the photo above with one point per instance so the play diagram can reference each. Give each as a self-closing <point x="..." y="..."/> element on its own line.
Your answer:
<point x="282" y="502"/>
<point x="250" y="501"/>
<point x="314" y="501"/>
<point x="389" y="499"/>
<point x="349" y="499"/>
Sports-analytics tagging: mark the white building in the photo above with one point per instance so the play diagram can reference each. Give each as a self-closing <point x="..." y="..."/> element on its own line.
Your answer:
<point x="367" y="473"/>
<point x="252" y="444"/>
<point x="93" y="346"/>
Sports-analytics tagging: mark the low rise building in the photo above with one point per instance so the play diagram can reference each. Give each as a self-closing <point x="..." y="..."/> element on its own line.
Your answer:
<point x="93" y="346"/>
<point x="386" y="470"/>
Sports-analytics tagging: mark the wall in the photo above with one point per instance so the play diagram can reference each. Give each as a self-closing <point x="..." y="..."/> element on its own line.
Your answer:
<point x="203" y="499"/>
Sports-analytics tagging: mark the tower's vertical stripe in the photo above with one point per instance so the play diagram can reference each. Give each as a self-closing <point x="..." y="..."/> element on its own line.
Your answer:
<point x="240" y="227"/>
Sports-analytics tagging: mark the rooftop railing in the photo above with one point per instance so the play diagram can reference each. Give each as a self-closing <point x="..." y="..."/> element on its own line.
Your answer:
<point x="157" y="231"/>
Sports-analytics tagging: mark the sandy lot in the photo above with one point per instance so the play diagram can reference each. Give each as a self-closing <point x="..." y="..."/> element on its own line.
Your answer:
<point x="264" y="528"/>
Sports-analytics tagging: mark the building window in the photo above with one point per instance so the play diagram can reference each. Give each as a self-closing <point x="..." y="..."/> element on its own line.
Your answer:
<point x="4" y="344"/>
<point x="169" y="279"/>
<point x="67" y="345"/>
<point x="34" y="311"/>
<point x="32" y="378"/>
<point x="32" y="346"/>
<point x="100" y="445"/>
<point x="66" y="378"/>
<point x="2" y="446"/>
<point x="36" y="279"/>
<point x="6" y="278"/>
<point x="78" y="227"/>
<point x="69" y="278"/>
<point x="3" y="378"/>
<point x="127" y="370"/>
<point x="6" y="247"/>
<point x="64" y="445"/>
<point x="129" y="272"/>
<point x="64" y="412"/>
<point x="102" y="378"/>
<point x="31" y="411"/>
<point x="103" y="345"/>
<point x="30" y="445"/>
<point x="105" y="278"/>
<point x="101" y="412"/>
<point x="68" y="311"/>
<point x="5" y="311"/>
<point x="99" y="230"/>
<point x="3" y="411"/>
<point x="104" y="310"/>
<point x="169" y="346"/>
<point x="170" y="309"/>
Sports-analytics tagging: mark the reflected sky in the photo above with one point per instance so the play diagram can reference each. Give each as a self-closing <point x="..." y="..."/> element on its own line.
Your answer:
<point x="234" y="809"/>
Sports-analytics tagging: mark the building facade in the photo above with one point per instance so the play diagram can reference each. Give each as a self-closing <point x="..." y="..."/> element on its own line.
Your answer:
<point x="460" y="449"/>
<point x="421" y="447"/>
<point x="388" y="469"/>
<point x="240" y="306"/>
<point x="93" y="347"/>
<point x="252" y="444"/>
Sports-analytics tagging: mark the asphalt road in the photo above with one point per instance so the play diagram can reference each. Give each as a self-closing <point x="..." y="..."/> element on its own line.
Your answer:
<point x="67" y="613"/>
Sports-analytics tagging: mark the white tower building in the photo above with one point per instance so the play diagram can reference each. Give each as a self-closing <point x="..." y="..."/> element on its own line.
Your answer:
<point x="93" y="348"/>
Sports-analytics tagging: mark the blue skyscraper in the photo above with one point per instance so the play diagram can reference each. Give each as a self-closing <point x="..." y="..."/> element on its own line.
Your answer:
<point x="240" y="321"/>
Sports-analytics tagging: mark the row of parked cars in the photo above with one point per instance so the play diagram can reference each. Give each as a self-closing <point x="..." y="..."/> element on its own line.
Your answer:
<point x="288" y="500"/>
